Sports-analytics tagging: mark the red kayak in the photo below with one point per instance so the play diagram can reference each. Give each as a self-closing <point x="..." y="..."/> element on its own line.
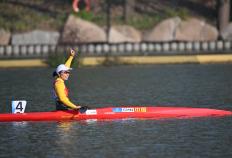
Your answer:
<point x="116" y="113"/>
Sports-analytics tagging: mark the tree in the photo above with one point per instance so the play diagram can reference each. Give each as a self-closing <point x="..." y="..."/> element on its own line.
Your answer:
<point x="223" y="9"/>
<point x="128" y="9"/>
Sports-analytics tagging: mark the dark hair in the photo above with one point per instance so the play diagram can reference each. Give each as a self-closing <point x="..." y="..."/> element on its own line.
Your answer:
<point x="54" y="74"/>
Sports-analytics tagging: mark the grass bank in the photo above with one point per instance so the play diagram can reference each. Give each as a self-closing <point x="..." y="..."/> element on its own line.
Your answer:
<point x="21" y="16"/>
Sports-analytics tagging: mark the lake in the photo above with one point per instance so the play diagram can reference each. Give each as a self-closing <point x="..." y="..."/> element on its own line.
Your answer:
<point x="206" y="86"/>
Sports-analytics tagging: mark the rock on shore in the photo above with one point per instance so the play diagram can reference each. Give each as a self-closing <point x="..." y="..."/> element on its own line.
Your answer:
<point x="35" y="37"/>
<point x="4" y="37"/>
<point x="78" y="30"/>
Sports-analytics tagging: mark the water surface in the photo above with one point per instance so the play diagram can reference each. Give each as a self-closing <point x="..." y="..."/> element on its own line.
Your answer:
<point x="207" y="86"/>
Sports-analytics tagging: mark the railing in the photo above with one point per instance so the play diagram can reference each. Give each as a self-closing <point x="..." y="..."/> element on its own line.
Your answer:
<point x="116" y="49"/>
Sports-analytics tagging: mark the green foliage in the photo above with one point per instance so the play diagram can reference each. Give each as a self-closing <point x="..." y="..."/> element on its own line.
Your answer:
<point x="19" y="18"/>
<point x="27" y="15"/>
<point x="89" y="16"/>
<point x="143" y="22"/>
<point x="180" y="12"/>
<point x="99" y="19"/>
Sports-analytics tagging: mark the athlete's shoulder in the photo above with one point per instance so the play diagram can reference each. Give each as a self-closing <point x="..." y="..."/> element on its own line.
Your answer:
<point x="59" y="81"/>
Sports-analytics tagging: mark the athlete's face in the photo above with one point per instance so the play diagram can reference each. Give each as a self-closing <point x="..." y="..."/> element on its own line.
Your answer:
<point x="64" y="75"/>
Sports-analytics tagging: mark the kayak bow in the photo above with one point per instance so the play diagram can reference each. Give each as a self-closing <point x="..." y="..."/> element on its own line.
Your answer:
<point x="116" y="113"/>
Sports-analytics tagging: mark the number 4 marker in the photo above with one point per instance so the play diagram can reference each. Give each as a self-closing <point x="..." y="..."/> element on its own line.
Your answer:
<point x="19" y="106"/>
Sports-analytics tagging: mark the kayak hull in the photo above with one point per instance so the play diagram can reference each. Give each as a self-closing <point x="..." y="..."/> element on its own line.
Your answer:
<point x="116" y="113"/>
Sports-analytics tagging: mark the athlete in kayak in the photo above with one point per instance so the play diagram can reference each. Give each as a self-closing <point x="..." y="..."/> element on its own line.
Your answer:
<point x="60" y="91"/>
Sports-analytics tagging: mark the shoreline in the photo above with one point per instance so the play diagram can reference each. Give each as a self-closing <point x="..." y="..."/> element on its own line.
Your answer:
<point x="125" y="60"/>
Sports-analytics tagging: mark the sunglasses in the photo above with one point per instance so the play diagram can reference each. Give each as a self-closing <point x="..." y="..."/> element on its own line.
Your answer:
<point x="66" y="72"/>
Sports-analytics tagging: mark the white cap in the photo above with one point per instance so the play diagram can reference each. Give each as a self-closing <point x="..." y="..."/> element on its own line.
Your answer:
<point x="62" y="67"/>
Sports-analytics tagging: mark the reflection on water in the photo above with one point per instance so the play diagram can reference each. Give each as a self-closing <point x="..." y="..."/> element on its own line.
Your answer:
<point x="163" y="85"/>
<point x="64" y="126"/>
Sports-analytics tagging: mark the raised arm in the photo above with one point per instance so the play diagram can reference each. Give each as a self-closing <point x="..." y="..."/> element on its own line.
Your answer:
<point x="71" y="56"/>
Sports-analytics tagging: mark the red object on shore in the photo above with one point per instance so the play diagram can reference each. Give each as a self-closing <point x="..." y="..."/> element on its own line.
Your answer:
<point x="138" y="112"/>
<point x="75" y="5"/>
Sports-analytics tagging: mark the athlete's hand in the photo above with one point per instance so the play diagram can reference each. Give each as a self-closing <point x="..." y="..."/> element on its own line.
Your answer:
<point x="72" y="52"/>
<point x="83" y="109"/>
<point x="78" y="107"/>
